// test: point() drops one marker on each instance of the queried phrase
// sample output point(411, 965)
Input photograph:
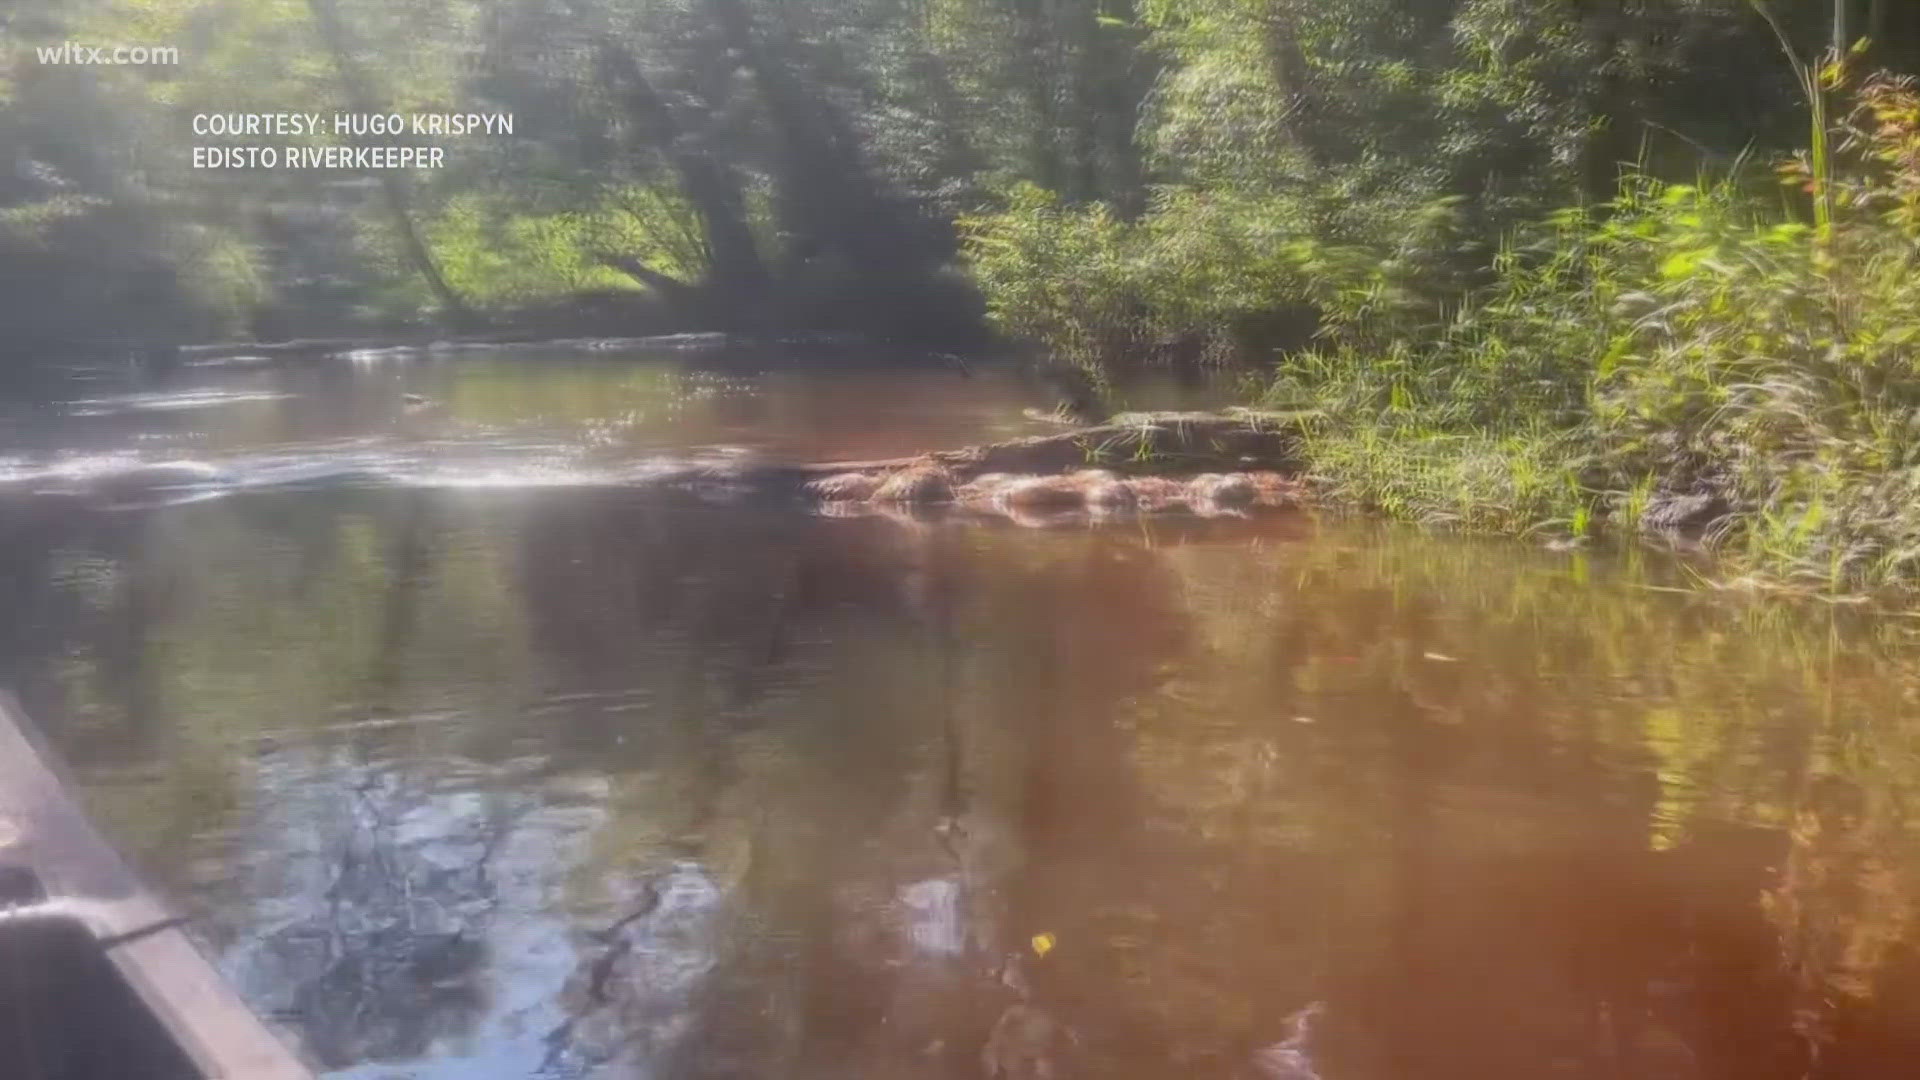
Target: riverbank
point(1729, 360)
point(1564, 487)
point(1839, 523)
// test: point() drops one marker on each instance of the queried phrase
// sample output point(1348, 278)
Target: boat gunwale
point(44, 829)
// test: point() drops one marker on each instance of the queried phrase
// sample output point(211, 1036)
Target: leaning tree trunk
point(354, 81)
point(832, 200)
point(735, 269)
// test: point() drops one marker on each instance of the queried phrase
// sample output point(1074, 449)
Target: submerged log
point(1201, 463)
point(1206, 463)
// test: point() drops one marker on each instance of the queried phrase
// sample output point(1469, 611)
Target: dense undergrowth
point(1733, 359)
point(1689, 357)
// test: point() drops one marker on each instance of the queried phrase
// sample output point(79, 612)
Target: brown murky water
point(476, 761)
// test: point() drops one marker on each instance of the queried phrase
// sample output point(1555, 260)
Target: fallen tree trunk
point(1178, 444)
point(1141, 443)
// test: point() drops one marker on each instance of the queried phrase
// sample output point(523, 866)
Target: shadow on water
point(582, 783)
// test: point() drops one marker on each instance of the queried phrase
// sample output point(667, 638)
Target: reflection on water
point(577, 782)
point(597, 414)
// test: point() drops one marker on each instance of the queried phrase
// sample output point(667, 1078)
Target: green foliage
point(502, 255)
point(89, 269)
point(1056, 274)
point(1096, 288)
point(1226, 177)
point(1356, 166)
point(1690, 339)
point(1479, 480)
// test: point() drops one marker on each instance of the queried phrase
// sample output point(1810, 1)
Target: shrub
point(1058, 275)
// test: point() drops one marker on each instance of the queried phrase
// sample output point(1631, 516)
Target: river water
point(474, 756)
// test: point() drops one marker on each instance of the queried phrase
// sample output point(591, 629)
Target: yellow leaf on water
point(1043, 944)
